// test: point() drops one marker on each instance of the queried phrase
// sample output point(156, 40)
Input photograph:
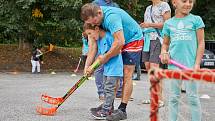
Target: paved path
point(20, 93)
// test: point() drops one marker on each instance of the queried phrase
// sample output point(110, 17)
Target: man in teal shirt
point(128, 40)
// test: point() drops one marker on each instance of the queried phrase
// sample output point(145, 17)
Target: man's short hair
point(89, 10)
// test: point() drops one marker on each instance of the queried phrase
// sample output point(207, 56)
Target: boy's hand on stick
point(89, 70)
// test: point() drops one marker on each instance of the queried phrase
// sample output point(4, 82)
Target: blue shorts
point(131, 58)
point(131, 52)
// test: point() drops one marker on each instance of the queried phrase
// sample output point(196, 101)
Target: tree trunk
point(23, 44)
point(21, 41)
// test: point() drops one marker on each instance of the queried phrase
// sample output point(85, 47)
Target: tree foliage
point(205, 8)
point(58, 21)
point(41, 21)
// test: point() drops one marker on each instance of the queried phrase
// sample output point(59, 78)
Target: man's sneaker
point(100, 115)
point(117, 115)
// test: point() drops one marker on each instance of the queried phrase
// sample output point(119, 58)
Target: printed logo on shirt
point(189, 27)
point(182, 32)
point(180, 25)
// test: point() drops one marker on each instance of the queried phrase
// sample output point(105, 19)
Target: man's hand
point(42, 62)
point(101, 59)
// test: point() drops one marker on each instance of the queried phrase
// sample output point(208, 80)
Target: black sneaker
point(117, 115)
point(100, 115)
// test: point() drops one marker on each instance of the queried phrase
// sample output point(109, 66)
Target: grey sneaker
point(99, 108)
point(96, 109)
point(100, 115)
point(117, 115)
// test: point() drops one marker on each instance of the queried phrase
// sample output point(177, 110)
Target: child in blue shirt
point(84, 47)
point(113, 68)
point(184, 43)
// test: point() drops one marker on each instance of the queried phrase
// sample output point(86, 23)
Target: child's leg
point(119, 88)
point(38, 66)
point(109, 87)
point(174, 99)
point(33, 66)
point(116, 88)
point(193, 99)
point(99, 80)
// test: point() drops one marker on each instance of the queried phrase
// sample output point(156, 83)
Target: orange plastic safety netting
point(156, 75)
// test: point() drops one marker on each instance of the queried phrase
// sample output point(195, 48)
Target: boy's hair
point(89, 26)
point(89, 10)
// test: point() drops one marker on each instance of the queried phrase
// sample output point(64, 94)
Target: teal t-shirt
point(114, 67)
point(183, 38)
point(116, 19)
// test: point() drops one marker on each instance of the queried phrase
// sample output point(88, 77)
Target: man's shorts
point(154, 51)
point(131, 52)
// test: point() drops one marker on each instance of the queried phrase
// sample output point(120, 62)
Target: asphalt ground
point(20, 93)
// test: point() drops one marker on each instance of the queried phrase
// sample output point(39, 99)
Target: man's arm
point(116, 47)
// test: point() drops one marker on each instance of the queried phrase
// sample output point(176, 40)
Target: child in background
point(113, 69)
point(154, 17)
point(84, 48)
point(184, 43)
point(36, 58)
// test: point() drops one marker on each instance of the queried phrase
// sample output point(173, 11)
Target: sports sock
point(122, 107)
